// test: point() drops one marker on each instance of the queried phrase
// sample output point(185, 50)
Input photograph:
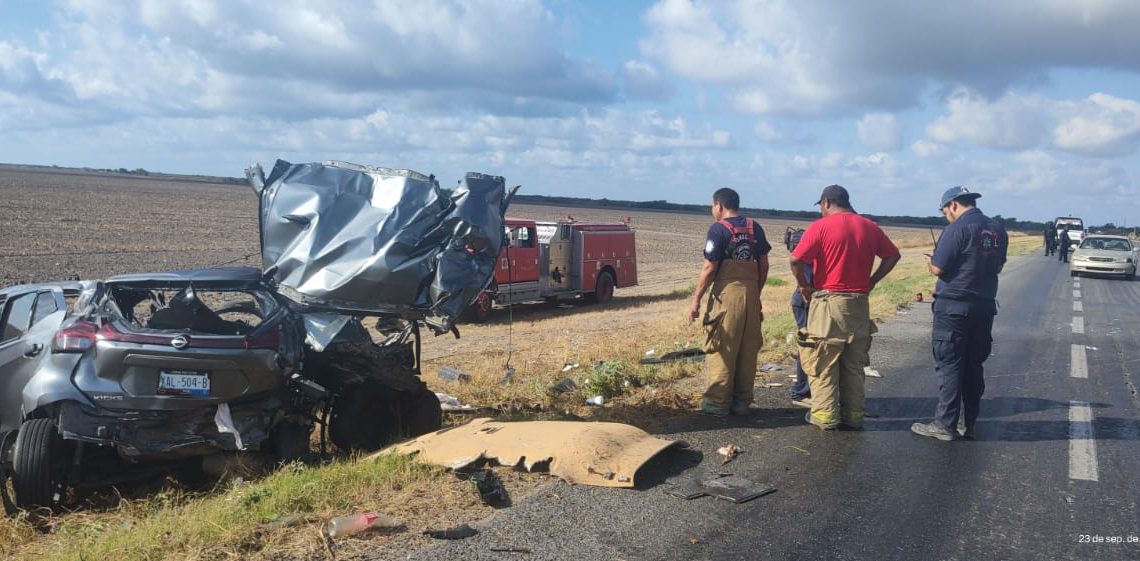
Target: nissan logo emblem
point(180, 342)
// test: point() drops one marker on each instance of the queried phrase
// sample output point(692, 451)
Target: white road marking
point(1076, 293)
point(1078, 325)
point(1078, 362)
point(1077, 307)
point(1076, 284)
point(1082, 442)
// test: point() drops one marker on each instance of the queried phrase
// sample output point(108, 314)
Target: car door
point(30, 319)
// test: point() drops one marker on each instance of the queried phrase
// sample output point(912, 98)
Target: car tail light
point(110, 333)
point(75, 338)
point(270, 339)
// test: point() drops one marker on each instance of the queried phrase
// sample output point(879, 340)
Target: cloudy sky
point(1035, 104)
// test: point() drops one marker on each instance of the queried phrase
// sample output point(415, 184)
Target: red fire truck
point(560, 260)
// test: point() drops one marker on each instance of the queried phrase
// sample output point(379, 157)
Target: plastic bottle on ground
point(341, 526)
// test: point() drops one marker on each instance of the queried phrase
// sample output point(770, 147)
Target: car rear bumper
point(168, 435)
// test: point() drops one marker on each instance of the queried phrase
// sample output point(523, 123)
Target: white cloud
point(1012, 122)
point(927, 149)
point(641, 80)
point(880, 131)
point(1101, 125)
point(819, 57)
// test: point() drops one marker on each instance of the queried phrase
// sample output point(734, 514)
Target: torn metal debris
point(600, 454)
point(333, 233)
point(675, 356)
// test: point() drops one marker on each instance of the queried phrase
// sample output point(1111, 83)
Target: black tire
point(421, 413)
point(289, 442)
point(39, 465)
point(364, 417)
point(604, 288)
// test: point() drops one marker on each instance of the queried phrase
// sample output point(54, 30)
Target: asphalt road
point(1042, 481)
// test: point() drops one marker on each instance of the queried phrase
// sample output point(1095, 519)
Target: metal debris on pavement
point(736, 489)
point(596, 400)
point(773, 385)
point(568, 366)
point(460, 532)
point(868, 371)
point(769, 367)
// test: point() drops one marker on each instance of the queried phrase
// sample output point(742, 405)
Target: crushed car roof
point(351, 239)
point(222, 275)
point(66, 286)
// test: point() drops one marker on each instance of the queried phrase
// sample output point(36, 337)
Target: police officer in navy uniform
point(1050, 239)
point(734, 274)
point(967, 260)
point(801, 391)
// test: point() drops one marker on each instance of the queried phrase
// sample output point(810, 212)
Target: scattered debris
point(460, 532)
point(568, 367)
point(565, 447)
point(651, 352)
point(452, 375)
point(509, 550)
point(790, 338)
point(565, 307)
point(451, 403)
point(1091, 348)
point(791, 376)
point(342, 526)
point(675, 356)
point(490, 487)
point(736, 489)
point(694, 541)
point(507, 376)
point(800, 450)
point(771, 367)
point(565, 385)
point(868, 371)
point(596, 400)
point(720, 485)
point(730, 452)
point(773, 385)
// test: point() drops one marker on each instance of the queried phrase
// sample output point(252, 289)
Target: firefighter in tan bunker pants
point(734, 273)
point(834, 348)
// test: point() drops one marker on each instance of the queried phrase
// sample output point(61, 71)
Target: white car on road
point(1105, 255)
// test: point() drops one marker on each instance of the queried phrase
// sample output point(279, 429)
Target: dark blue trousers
point(961, 342)
point(800, 389)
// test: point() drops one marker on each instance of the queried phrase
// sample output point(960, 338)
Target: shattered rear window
point(185, 309)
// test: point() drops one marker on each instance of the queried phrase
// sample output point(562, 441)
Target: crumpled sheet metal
point(338, 237)
point(599, 454)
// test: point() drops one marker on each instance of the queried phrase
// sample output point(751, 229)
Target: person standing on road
point(1050, 239)
point(801, 391)
point(1063, 244)
point(734, 273)
point(835, 345)
point(966, 261)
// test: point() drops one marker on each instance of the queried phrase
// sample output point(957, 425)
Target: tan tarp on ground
point(601, 454)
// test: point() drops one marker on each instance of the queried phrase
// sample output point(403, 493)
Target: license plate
point(184, 382)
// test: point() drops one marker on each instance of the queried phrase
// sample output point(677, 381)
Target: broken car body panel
point(343, 238)
point(599, 454)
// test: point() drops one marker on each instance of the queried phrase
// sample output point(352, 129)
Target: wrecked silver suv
point(145, 371)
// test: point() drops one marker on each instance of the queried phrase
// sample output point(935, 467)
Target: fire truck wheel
point(604, 289)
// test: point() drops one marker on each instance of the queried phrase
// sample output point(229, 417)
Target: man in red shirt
point(834, 347)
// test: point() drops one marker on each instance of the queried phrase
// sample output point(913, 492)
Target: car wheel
point(364, 417)
point(604, 289)
point(39, 465)
point(289, 442)
point(420, 412)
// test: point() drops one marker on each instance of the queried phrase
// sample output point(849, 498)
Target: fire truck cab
point(560, 260)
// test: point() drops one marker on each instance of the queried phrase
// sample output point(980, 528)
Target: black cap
point(835, 194)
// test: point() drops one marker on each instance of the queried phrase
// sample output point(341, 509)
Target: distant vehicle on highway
point(1076, 229)
point(1105, 255)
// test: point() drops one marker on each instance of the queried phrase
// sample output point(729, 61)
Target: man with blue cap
point(966, 260)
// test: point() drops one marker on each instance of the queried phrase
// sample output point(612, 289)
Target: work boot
point(824, 426)
point(710, 408)
point(742, 409)
point(932, 430)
